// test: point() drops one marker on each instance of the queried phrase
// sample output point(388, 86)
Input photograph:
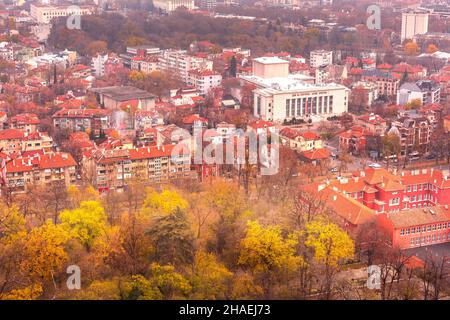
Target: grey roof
point(377, 73)
point(123, 93)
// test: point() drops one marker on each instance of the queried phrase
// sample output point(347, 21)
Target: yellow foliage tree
point(29, 293)
point(209, 277)
point(264, 249)
point(164, 202)
point(44, 251)
point(85, 223)
point(11, 221)
point(330, 243)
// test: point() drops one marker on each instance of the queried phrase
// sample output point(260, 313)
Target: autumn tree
point(267, 253)
point(411, 48)
point(172, 238)
point(85, 223)
point(332, 246)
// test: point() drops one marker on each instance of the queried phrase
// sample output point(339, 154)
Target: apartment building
point(28, 122)
point(45, 13)
point(82, 119)
point(145, 64)
point(112, 169)
point(179, 63)
point(413, 23)
point(320, 58)
point(98, 64)
point(40, 169)
point(424, 91)
point(204, 80)
point(414, 133)
point(387, 84)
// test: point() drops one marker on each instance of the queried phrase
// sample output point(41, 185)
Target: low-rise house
point(372, 122)
point(300, 141)
point(27, 122)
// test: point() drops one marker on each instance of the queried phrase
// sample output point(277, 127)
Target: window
point(407, 231)
point(413, 230)
point(415, 188)
point(429, 228)
point(394, 202)
point(408, 189)
point(402, 232)
point(434, 227)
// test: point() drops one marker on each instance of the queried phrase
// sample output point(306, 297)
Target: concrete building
point(204, 80)
point(413, 22)
point(40, 169)
point(424, 91)
point(179, 63)
point(112, 169)
point(171, 5)
point(43, 13)
point(114, 97)
point(281, 96)
point(98, 64)
point(320, 58)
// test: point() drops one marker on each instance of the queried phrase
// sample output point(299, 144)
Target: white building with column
point(281, 96)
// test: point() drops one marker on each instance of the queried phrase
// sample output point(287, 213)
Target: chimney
point(334, 197)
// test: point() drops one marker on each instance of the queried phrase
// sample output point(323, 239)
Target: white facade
point(413, 23)
point(204, 81)
point(42, 13)
point(172, 5)
point(180, 63)
point(98, 65)
point(279, 99)
point(424, 91)
point(320, 58)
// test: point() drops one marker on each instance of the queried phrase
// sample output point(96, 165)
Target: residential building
point(300, 141)
point(413, 22)
point(424, 91)
point(320, 58)
point(372, 122)
point(204, 80)
point(387, 84)
point(414, 133)
point(179, 63)
point(28, 122)
point(82, 119)
point(40, 169)
point(112, 169)
point(98, 64)
point(145, 64)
